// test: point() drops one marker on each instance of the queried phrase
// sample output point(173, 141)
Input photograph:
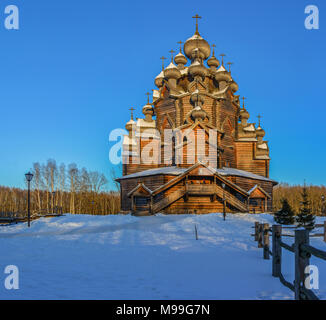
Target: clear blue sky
point(70, 74)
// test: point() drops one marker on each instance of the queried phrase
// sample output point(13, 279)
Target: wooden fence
point(15, 217)
point(300, 248)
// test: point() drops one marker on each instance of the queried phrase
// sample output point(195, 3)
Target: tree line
point(305, 218)
point(79, 191)
point(66, 189)
point(316, 196)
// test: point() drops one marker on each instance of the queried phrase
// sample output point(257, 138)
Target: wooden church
point(200, 154)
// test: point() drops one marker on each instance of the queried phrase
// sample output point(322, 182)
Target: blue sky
point(74, 68)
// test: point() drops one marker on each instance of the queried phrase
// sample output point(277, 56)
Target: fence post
point(301, 261)
point(325, 231)
point(260, 236)
point(196, 232)
point(256, 230)
point(277, 250)
point(266, 241)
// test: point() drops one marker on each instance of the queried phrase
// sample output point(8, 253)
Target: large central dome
point(196, 41)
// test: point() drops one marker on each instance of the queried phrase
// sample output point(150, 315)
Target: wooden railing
point(156, 207)
point(201, 188)
point(300, 248)
point(15, 217)
point(233, 200)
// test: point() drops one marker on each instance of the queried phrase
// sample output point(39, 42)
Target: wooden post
point(277, 250)
point(325, 231)
point(266, 241)
point(151, 206)
point(260, 236)
point(266, 206)
point(196, 232)
point(301, 261)
point(256, 230)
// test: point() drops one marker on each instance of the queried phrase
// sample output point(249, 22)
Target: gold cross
point(180, 42)
point(172, 51)
point(196, 17)
point(213, 46)
point(132, 113)
point(230, 63)
point(243, 99)
point(148, 94)
point(163, 58)
point(259, 118)
point(222, 55)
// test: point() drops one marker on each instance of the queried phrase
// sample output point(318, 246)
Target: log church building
point(200, 154)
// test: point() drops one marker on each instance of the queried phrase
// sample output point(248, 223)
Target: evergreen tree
point(285, 215)
point(305, 218)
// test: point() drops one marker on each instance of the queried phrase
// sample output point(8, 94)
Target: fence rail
point(15, 217)
point(301, 249)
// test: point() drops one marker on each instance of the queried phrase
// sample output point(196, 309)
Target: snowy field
point(157, 257)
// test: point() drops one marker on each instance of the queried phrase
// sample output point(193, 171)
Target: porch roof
point(176, 171)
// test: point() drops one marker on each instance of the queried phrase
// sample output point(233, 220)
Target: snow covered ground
point(157, 257)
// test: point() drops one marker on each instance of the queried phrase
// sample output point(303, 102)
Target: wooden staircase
point(166, 201)
point(232, 200)
point(194, 189)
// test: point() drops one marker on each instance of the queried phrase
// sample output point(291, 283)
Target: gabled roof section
point(253, 190)
point(204, 125)
point(140, 187)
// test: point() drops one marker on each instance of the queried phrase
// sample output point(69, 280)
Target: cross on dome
point(180, 42)
point(196, 17)
point(172, 51)
point(243, 99)
point(148, 94)
point(132, 113)
point(222, 55)
point(213, 46)
point(163, 58)
point(230, 63)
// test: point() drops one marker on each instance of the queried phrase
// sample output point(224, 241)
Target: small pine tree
point(305, 218)
point(285, 215)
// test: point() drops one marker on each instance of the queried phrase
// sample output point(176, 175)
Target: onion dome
point(148, 111)
point(222, 74)
point(260, 133)
point(244, 114)
point(196, 41)
point(172, 72)
point(213, 62)
point(130, 124)
point(159, 80)
point(197, 69)
point(234, 86)
point(198, 114)
point(180, 59)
